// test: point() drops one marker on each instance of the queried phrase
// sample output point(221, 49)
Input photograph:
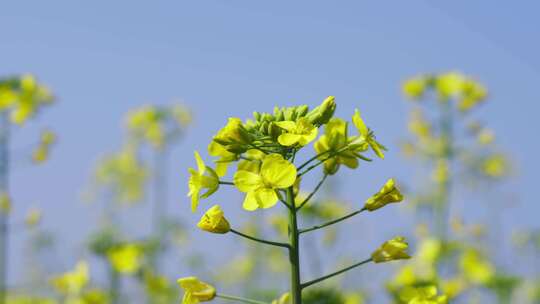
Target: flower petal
point(278, 172)
point(200, 163)
point(247, 181)
point(287, 125)
point(266, 197)
point(289, 139)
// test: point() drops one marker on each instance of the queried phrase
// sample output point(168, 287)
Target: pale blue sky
point(225, 58)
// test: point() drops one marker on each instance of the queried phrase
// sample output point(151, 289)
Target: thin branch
point(239, 299)
point(285, 245)
point(306, 200)
point(226, 183)
point(332, 222)
point(335, 273)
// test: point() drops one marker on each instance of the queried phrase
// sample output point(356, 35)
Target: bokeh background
point(230, 58)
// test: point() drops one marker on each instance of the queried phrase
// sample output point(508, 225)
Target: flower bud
point(389, 193)
point(394, 249)
point(214, 221)
point(322, 114)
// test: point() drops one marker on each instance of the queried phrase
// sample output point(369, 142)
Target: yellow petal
point(289, 139)
point(287, 125)
point(247, 181)
point(278, 172)
point(200, 163)
point(266, 197)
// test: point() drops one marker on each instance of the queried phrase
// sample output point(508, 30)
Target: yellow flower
point(450, 84)
point(225, 157)
point(234, 136)
point(33, 217)
point(333, 142)
point(204, 178)
point(253, 161)
point(414, 88)
point(394, 249)
point(300, 132)
point(284, 299)
point(126, 259)
point(72, 282)
point(214, 221)
point(495, 165)
point(196, 291)
point(422, 295)
point(366, 135)
point(124, 174)
point(476, 269)
point(389, 193)
point(276, 173)
point(146, 123)
point(5, 203)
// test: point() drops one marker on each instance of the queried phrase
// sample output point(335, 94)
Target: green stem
point(114, 285)
point(160, 202)
point(335, 273)
point(225, 183)
point(4, 214)
point(444, 186)
point(294, 250)
point(285, 245)
point(239, 299)
point(313, 192)
point(332, 222)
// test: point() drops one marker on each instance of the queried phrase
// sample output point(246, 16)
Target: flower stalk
point(294, 250)
point(4, 214)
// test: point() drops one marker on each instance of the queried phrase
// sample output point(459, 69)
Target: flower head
point(299, 133)
point(422, 295)
point(275, 173)
point(394, 249)
point(365, 135)
point(126, 258)
point(33, 217)
point(389, 193)
point(214, 221)
point(334, 142)
point(72, 282)
point(234, 136)
point(196, 291)
point(202, 178)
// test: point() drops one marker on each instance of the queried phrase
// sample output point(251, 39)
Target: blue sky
point(225, 58)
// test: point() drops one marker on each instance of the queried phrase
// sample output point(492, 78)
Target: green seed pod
point(322, 114)
point(288, 114)
point(280, 115)
point(257, 116)
point(302, 110)
point(263, 127)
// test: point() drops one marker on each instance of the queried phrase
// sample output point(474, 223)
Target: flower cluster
point(23, 97)
point(451, 85)
point(265, 150)
point(158, 125)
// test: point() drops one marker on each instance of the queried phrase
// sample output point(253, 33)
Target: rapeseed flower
point(300, 132)
point(202, 178)
point(275, 173)
point(388, 194)
point(394, 249)
point(332, 147)
point(72, 282)
point(365, 135)
point(196, 291)
point(214, 221)
point(126, 259)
